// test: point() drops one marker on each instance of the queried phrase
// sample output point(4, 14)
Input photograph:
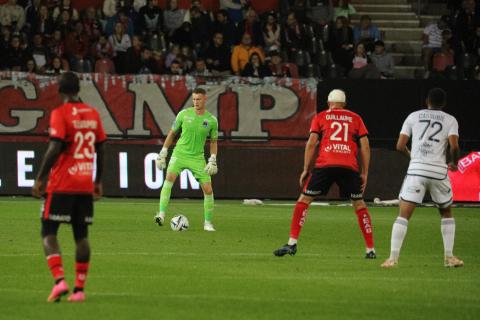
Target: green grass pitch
point(142, 271)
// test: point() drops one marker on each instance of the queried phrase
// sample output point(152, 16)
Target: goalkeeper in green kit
point(196, 124)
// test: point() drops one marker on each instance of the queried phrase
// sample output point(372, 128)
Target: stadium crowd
point(303, 38)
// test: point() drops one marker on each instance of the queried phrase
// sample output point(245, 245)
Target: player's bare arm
point(402, 144)
point(98, 188)
point(309, 156)
point(454, 152)
point(53, 152)
point(365, 160)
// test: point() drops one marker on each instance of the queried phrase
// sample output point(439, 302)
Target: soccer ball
point(179, 223)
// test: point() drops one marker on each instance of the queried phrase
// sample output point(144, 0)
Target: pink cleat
point(58, 290)
point(78, 296)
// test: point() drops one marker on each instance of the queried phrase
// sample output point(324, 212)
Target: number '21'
point(433, 125)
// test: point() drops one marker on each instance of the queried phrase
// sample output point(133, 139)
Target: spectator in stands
point(320, 13)
point(218, 56)
point(104, 65)
point(175, 68)
point(4, 46)
point(201, 68)
point(183, 35)
point(383, 60)
point(120, 42)
point(124, 19)
point(187, 57)
point(64, 23)
point(443, 63)
point(42, 22)
point(65, 5)
point(102, 49)
point(30, 66)
point(271, 33)
point(228, 29)
point(432, 42)
point(12, 15)
point(39, 52)
point(341, 45)
point(277, 67)
point(294, 36)
point(91, 25)
point(344, 9)
point(366, 33)
point(77, 47)
point(110, 8)
point(55, 67)
point(252, 26)
point(16, 55)
point(465, 23)
point(31, 12)
point(134, 55)
point(363, 68)
point(201, 28)
point(172, 17)
point(150, 20)
point(241, 54)
point(147, 63)
point(300, 8)
point(172, 55)
point(256, 68)
point(234, 9)
point(56, 45)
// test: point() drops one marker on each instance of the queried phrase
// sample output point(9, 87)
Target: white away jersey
point(429, 131)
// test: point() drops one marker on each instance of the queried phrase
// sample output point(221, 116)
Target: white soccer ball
point(179, 223)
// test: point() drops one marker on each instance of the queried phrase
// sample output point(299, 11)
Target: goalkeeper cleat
point(290, 249)
point(453, 262)
point(371, 255)
point(60, 289)
point(208, 226)
point(389, 263)
point(159, 218)
point(78, 296)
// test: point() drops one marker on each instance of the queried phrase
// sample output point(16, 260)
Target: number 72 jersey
point(79, 127)
point(429, 131)
point(339, 131)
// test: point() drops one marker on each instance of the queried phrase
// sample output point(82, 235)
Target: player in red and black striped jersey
point(76, 136)
point(339, 132)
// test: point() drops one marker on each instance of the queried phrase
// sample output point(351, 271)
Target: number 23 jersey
point(429, 131)
point(79, 127)
point(339, 131)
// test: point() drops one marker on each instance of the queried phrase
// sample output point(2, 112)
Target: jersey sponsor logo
point(205, 123)
point(425, 149)
point(81, 168)
point(338, 148)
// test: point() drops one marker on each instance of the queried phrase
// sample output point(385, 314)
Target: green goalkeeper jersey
point(195, 131)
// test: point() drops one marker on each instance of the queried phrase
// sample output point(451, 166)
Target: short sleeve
point(177, 124)
point(214, 130)
point(101, 136)
point(316, 127)
point(362, 129)
point(407, 127)
point(453, 130)
point(58, 129)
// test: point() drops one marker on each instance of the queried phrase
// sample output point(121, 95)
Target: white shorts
point(414, 188)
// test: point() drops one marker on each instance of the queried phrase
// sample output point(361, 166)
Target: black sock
point(75, 290)
point(57, 281)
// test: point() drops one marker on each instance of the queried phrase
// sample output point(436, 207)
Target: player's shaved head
point(199, 91)
point(68, 84)
point(437, 98)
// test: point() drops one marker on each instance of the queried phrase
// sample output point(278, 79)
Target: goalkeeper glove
point(211, 167)
point(161, 160)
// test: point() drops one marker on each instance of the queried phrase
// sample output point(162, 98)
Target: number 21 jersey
point(339, 131)
point(79, 127)
point(429, 131)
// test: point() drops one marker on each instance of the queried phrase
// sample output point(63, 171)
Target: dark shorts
point(321, 179)
point(76, 209)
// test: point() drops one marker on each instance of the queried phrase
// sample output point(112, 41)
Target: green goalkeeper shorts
point(196, 166)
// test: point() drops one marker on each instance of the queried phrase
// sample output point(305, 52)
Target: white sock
point(448, 234)
point(399, 231)
point(292, 241)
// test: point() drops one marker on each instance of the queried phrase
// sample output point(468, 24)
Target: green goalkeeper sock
point(165, 195)
point(208, 206)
